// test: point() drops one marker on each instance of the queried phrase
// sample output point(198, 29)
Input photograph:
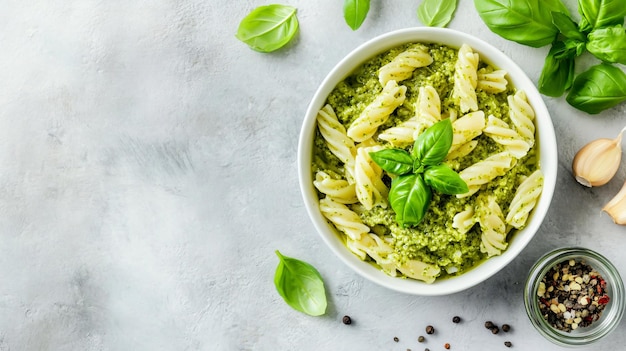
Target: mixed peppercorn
point(572, 295)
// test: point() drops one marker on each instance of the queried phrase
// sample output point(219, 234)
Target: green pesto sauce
point(433, 241)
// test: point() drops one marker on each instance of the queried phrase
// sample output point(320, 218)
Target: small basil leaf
point(566, 26)
point(445, 180)
point(394, 161)
point(597, 89)
point(409, 197)
point(527, 22)
point(608, 44)
point(557, 74)
point(300, 285)
point(268, 28)
point(436, 13)
point(432, 146)
point(355, 12)
point(601, 13)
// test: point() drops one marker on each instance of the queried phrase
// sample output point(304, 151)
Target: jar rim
point(611, 315)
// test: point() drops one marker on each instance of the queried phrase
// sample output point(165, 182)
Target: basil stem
point(432, 146)
point(445, 180)
point(394, 161)
point(436, 13)
point(300, 285)
point(268, 28)
point(409, 197)
point(355, 12)
point(599, 88)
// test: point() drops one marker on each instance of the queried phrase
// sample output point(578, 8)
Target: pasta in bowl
point(389, 95)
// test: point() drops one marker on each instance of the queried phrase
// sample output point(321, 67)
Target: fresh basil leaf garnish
point(355, 12)
point(436, 13)
point(268, 28)
point(432, 146)
point(599, 88)
point(601, 13)
point(445, 180)
point(566, 26)
point(557, 74)
point(409, 197)
point(608, 44)
point(300, 285)
point(528, 22)
point(394, 161)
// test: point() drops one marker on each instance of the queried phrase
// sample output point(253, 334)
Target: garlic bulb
point(616, 208)
point(597, 162)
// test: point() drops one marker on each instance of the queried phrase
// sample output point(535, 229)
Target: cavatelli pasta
point(403, 65)
point(525, 199)
point(377, 112)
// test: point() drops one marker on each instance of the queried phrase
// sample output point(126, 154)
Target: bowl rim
point(611, 316)
point(546, 142)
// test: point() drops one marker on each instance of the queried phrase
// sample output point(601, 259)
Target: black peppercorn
point(508, 344)
point(495, 330)
point(421, 338)
point(456, 319)
point(506, 327)
point(488, 324)
point(430, 329)
point(347, 320)
point(395, 338)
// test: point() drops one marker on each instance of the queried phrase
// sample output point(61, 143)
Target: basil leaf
point(557, 74)
point(527, 22)
point(597, 89)
point(355, 12)
point(409, 197)
point(432, 146)
point(268, 28)
point(601, 13)
point(436, 13)
point(445, 180)
point(566, 26)
point(394, 161)
point(300, 285)
point(608, 44)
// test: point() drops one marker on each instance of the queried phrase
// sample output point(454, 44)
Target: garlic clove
point(616, 208)
point(597, 162)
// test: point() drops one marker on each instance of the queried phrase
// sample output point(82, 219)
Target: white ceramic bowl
point(546, 143)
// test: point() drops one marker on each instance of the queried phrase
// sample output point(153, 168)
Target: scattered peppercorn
point(427, 349)
point(495, 330)
point(508, 344)
point(430, 329)
point(572, 295)
point(456, 319)
point(421, 338)
point(447, 346)
point(347, 320)
point(506, 328)
point(488, 324)
point(395, 338)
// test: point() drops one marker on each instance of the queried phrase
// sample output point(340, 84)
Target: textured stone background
point(148, 173)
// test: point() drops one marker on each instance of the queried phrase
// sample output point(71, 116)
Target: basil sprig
point(268, 28)
point(600, 31)
point(419, 172)
point(436, 13)
point(300, 285)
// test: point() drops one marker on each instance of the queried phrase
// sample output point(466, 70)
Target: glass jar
point(610, 316)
